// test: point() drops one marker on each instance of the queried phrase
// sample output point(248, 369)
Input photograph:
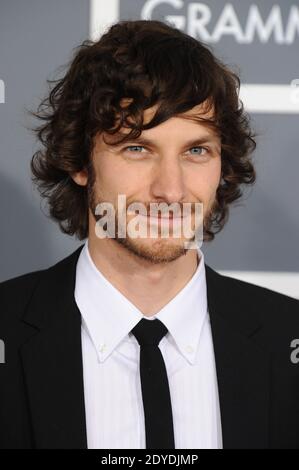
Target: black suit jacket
point(41, 382)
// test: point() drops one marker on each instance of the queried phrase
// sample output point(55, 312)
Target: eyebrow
point(204, 139)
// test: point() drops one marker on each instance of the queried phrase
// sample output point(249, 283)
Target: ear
point(80, 177)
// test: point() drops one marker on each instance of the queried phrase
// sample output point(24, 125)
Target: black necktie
point(154, 385)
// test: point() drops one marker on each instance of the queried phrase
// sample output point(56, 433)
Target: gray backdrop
point(37, 36)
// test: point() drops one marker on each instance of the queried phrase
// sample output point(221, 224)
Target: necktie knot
point(149, 332)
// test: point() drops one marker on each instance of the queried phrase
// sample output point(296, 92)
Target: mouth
point(163, 218)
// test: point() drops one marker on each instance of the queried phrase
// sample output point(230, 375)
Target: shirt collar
point(108, 316)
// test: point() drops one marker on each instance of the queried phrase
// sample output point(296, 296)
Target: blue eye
point(198, 147)
point(133, 147)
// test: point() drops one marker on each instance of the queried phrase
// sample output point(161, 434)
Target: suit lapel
point(52, 360)
point(242, 368)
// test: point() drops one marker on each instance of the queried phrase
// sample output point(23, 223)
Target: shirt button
point(189, 349)
point(102, 348)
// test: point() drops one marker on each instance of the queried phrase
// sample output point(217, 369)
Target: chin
point(155, 251)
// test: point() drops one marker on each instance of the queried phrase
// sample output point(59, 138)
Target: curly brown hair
point(153, 63)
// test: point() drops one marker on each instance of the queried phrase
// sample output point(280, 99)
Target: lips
point(162, 217)
point(165, 217)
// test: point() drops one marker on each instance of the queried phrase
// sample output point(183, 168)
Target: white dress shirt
point(112, 387)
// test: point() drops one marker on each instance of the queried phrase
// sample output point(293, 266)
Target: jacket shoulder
point(23, 281)
point(240, 288)
point(276, 313)
point(15, 293)
point(263, 292)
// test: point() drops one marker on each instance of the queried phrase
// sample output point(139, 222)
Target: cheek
point(205, 180)
point(113, 177)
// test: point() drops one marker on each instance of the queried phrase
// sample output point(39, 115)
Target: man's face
point(165, 164)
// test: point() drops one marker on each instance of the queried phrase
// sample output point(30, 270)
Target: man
point(133, 341)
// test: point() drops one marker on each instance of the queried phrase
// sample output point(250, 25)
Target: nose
point(168, 182)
